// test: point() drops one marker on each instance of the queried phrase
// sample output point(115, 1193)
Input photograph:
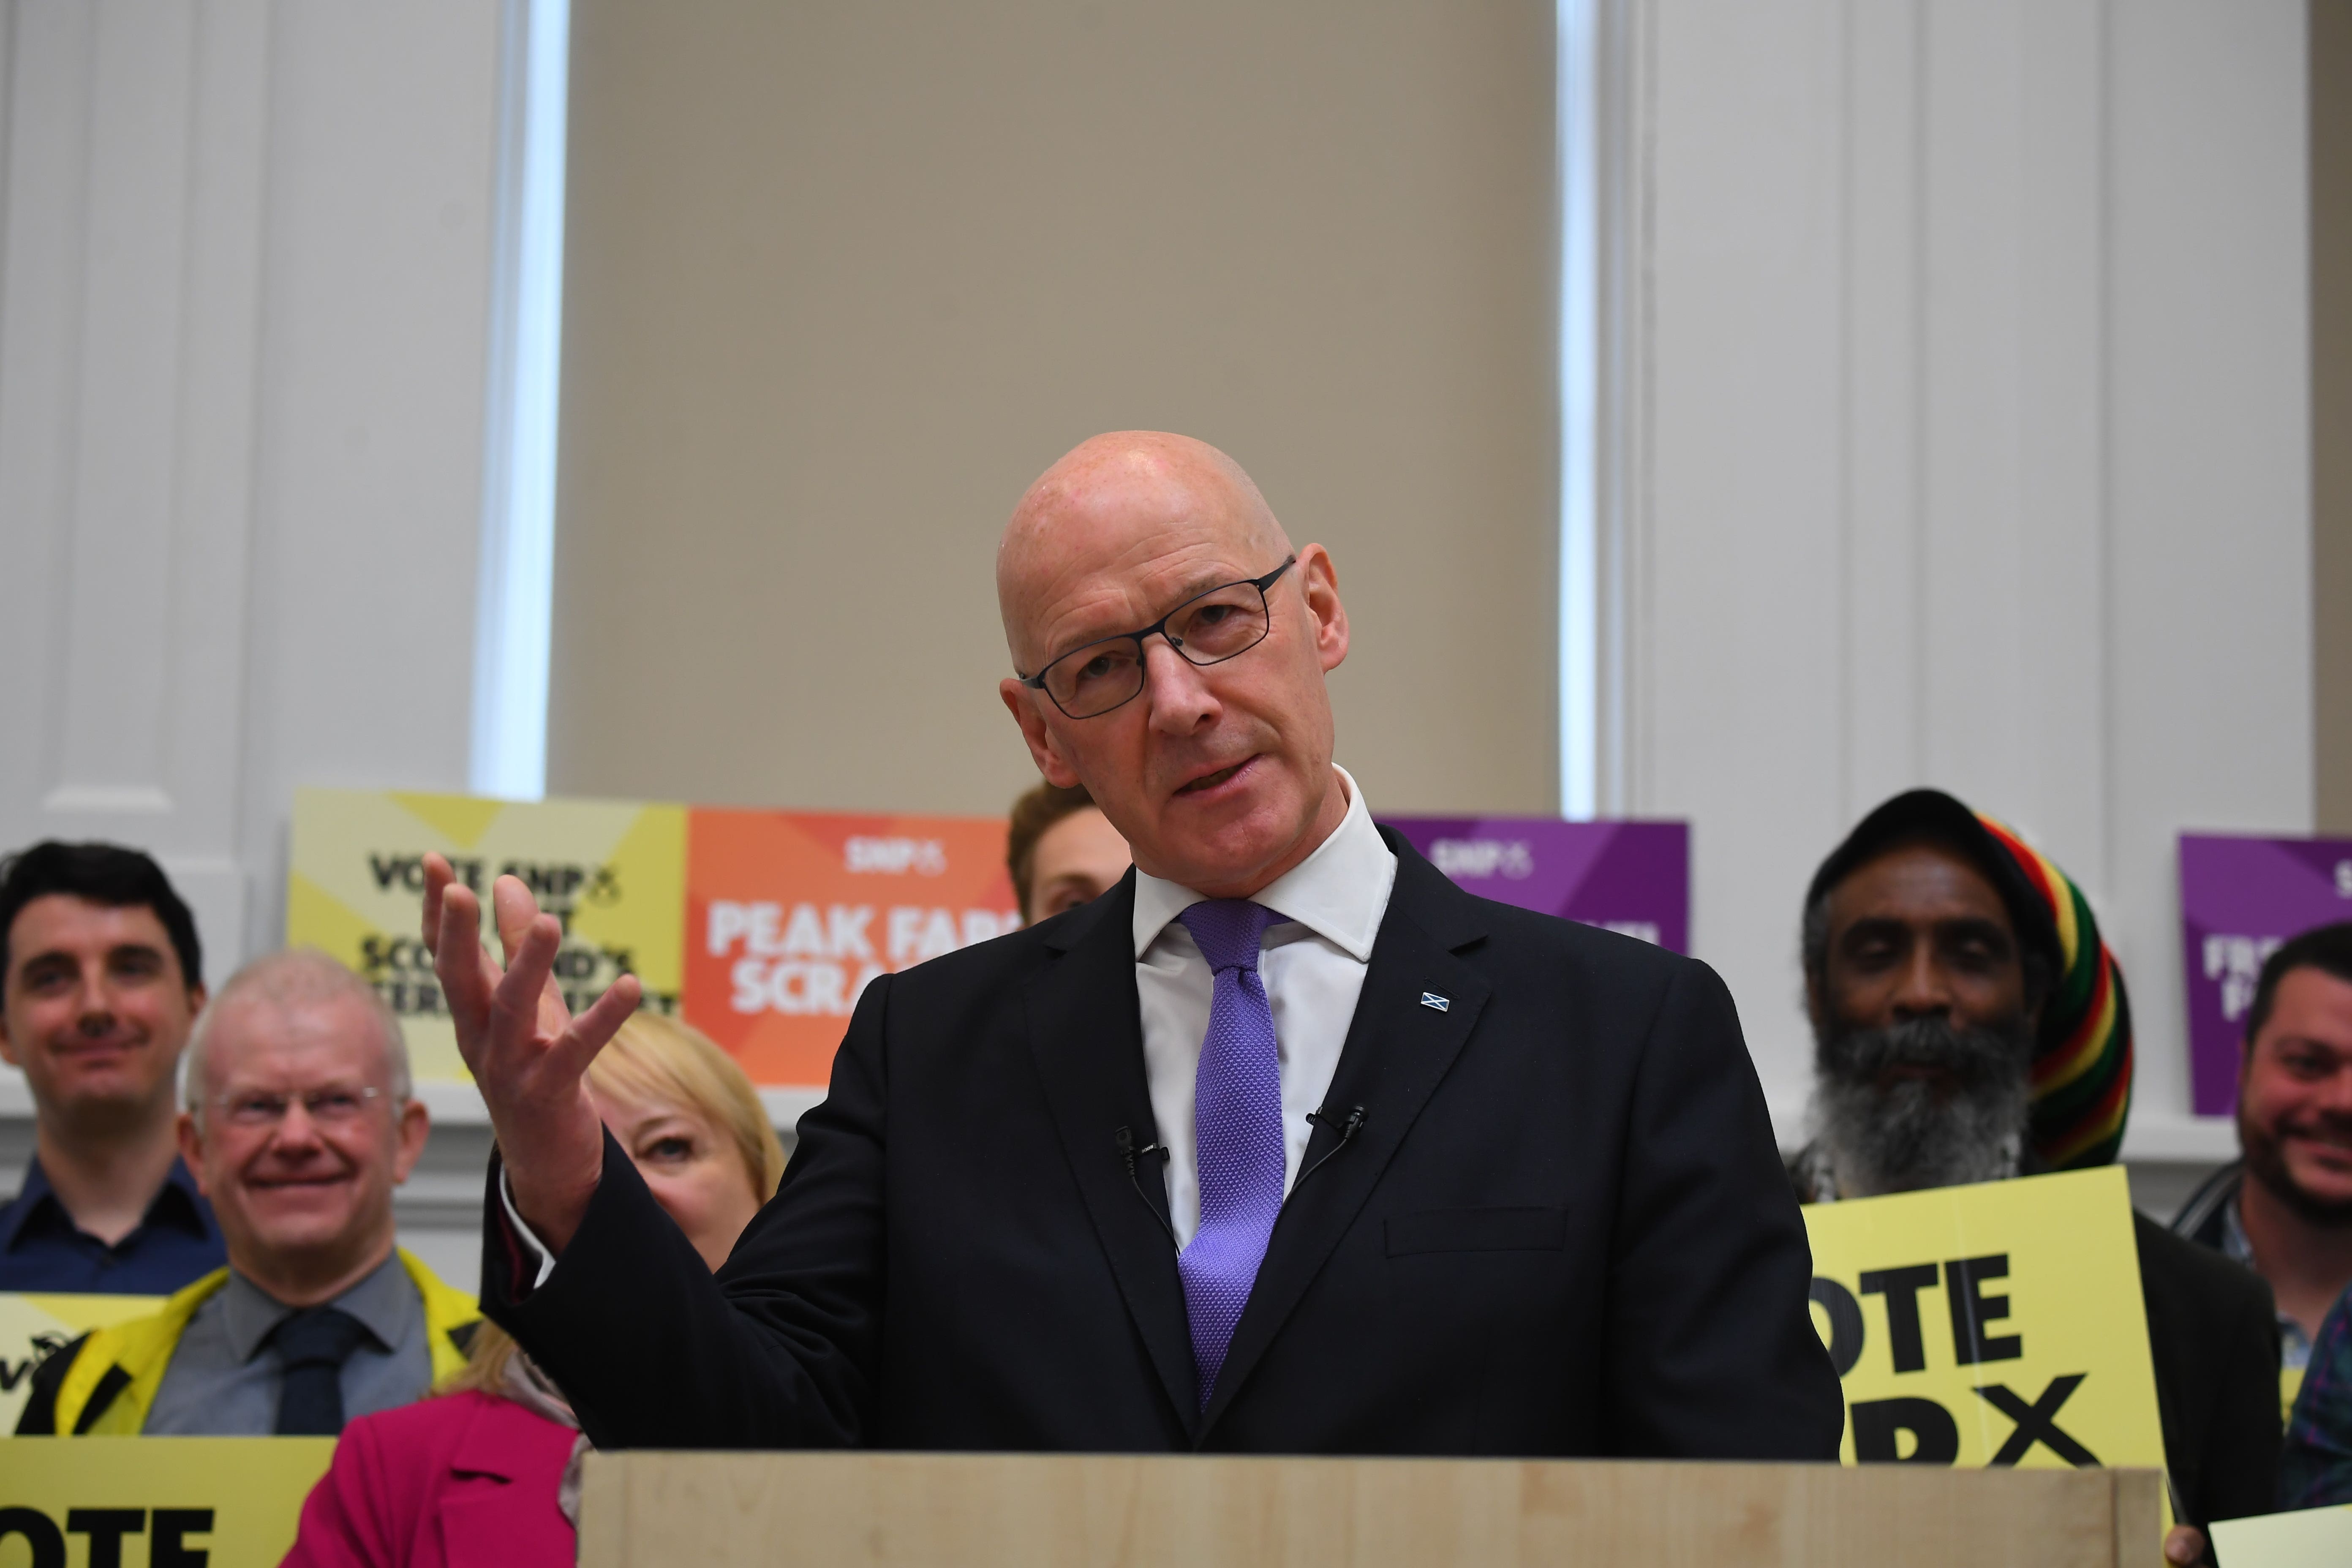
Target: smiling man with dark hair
point(101, 978)
point(2285, 1210)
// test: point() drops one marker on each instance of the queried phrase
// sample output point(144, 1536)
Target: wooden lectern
point(899, 1510)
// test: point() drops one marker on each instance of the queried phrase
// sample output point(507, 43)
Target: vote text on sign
point(1995, 1324)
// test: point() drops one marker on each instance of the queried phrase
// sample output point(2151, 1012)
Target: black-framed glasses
point(335, 1106)
point(1207, 628)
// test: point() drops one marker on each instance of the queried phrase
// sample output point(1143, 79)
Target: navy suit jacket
point(1561, 1226)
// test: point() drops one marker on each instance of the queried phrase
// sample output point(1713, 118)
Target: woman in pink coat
point(489, 1472)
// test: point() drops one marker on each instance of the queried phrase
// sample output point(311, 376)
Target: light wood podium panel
point(901, 1511)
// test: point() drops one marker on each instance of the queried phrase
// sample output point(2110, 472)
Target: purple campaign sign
point(1631, 876)
point(2240, 898)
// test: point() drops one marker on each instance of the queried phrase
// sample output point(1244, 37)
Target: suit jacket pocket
point(1478, 1230)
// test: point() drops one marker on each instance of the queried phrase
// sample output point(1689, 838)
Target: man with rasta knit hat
point(1971, 1025)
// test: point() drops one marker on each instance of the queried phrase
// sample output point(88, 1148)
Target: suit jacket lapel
point(1086, 1032)
point(1398, 1049)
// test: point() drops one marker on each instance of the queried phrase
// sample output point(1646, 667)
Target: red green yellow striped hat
point(2082, 1059)
point(2083, 1067)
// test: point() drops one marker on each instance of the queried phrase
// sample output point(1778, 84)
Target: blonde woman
point(496, 1460)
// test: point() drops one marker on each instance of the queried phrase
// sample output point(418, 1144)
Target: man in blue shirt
point(2316, 1466)
point(100, 979)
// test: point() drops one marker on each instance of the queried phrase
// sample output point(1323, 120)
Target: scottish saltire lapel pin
point(1433, 1000)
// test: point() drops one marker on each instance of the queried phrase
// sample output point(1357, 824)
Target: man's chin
point(293, 1251)
point(1226, 840)
point(2322, 1192)
point(1938, 1084)
point(99, 1099)
point(300, 1217)
point(1915, 1133)
point(2318, 1194)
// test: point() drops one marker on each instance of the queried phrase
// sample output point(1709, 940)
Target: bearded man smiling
point(1971, 1025)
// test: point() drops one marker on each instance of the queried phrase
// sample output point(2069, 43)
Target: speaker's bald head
point(1215, 766)
point(1131, 505)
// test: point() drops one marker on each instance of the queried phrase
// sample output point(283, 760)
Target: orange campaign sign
point(789, 915)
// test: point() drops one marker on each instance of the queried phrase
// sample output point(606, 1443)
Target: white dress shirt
point(1313, 969)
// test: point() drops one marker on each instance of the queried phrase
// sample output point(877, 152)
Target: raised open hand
point(527, 1052)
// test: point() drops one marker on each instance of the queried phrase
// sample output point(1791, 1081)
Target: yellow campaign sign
point(613, 871)
point(1996, 1324)
point(31, 1327)
point(166, 1502)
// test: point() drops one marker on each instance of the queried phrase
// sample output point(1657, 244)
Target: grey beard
point(1918, 1134)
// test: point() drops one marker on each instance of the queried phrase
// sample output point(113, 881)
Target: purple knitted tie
point(1236, 1131)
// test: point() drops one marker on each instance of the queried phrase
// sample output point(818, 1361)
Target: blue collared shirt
point(2315, 1465)
point(41, 1248)
point(2295, 1345)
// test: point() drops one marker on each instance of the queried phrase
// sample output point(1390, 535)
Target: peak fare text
point(805, 959)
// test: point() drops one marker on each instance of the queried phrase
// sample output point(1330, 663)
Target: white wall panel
point(2210, 432)
point(243, 308)
point(1736, 646)
point(245, 267)
point(373, 373)
point(1973, 452)
point(127, 344)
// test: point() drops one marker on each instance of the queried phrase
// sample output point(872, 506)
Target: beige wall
point(841, 278)
point(2331, 408)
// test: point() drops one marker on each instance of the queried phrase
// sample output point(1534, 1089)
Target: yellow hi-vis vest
point(127, 1360)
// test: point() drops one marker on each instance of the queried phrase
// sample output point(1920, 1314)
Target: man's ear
point(1033, 730)
point(1813, 1007)
point(1319, 582)
point(7, 1046)
point(415, 1125)
point(2037, 998)
point(192, 1149)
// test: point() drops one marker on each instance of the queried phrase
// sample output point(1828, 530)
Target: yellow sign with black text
point(164, 1502)
point(34, 1327)
point(1987, 1325)
point(760, 928)
point(614, 873)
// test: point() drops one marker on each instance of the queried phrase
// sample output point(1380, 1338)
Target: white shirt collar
point(1340, 893)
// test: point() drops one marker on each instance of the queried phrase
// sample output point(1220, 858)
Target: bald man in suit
point(1283, 1145)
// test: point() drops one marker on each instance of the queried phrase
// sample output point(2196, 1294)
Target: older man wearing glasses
point(299, 1124)
point(1283, 1145)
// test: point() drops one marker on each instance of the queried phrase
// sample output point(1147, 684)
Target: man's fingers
point(515, 911)
point(518, 914)
point(437, 877)
point(578, 1046)
point(530, 960)
point(465, 971)
point(505, 1020)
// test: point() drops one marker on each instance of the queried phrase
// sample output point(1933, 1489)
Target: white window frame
point(1577, 98)
point(1599, 403)
point(514, 615)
